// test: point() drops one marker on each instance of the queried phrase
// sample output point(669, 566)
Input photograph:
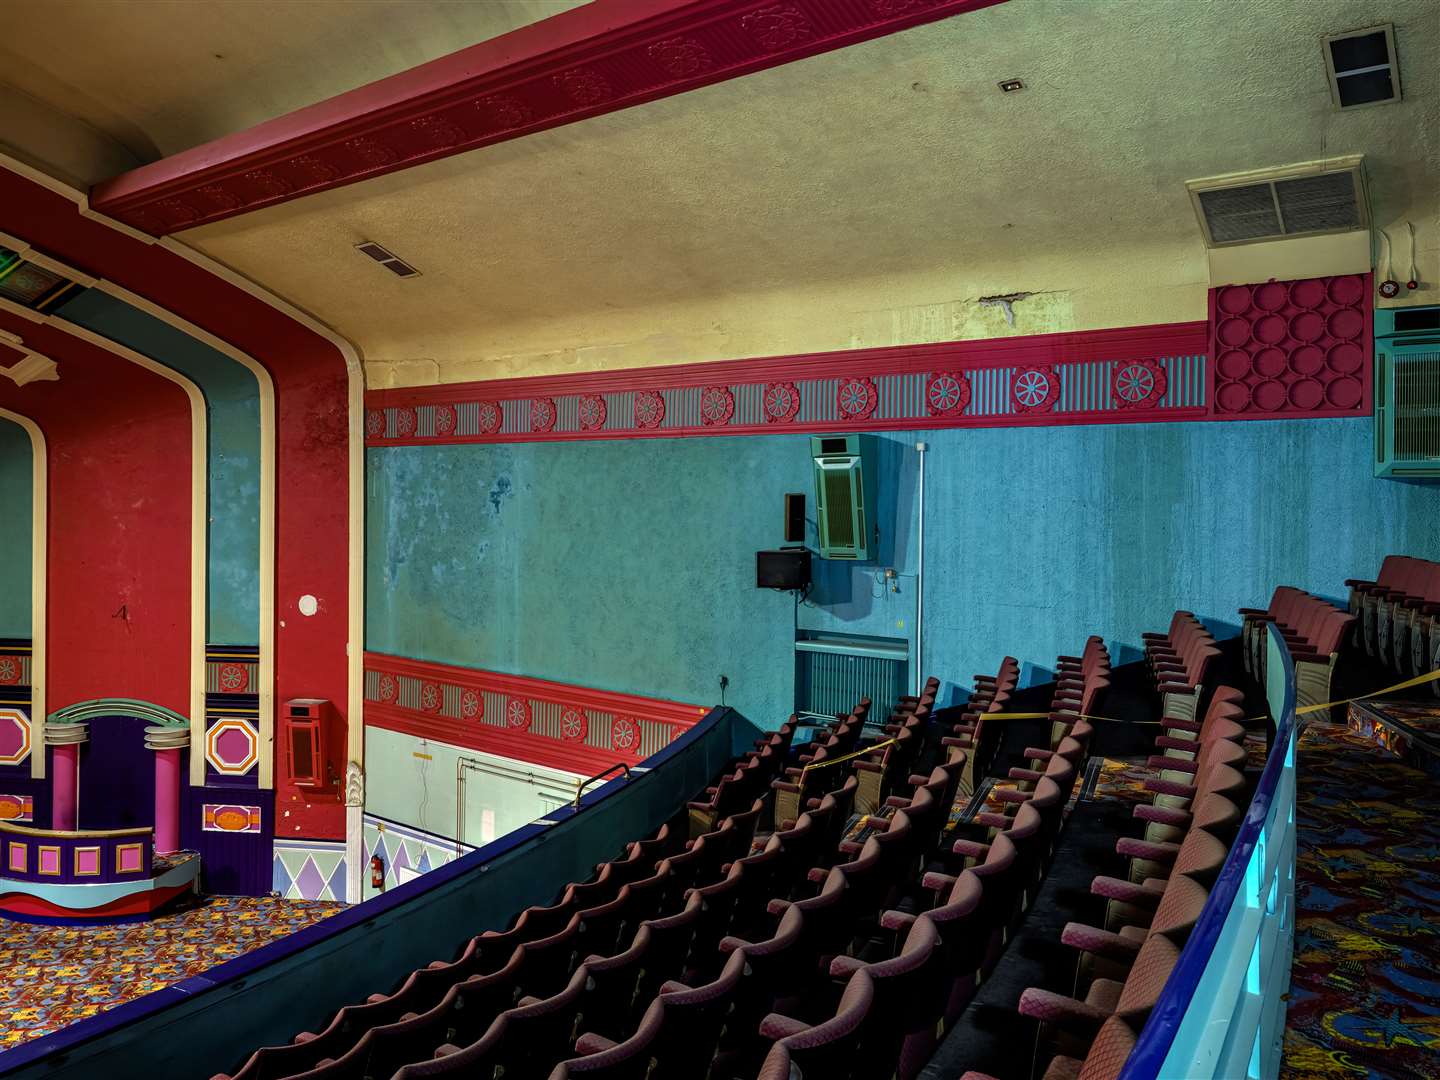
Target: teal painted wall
point(16, 522)
point(629, 565)
point(232, 398)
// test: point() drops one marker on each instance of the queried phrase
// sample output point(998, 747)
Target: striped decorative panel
point(14, 663)
point(1152, 373)
point(232, 685)
point(568, 727)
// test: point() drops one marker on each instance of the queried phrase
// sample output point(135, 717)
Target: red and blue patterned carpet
point(1365, 986)
point(51, 976)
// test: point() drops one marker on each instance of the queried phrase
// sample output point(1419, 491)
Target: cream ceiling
point(161, 76)
point(864, 197)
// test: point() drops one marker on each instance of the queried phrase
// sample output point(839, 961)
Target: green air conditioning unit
point(845, 496)
point(1407, 392)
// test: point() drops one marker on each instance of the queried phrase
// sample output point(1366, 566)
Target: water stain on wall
point(500, 491)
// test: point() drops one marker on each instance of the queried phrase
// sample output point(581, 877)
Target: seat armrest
point(1065, 1012)
point(1163, 815)
point(937, 881)
point(895, 920)
point(1135, 848)
point(591, 1043)
point(1099, 942)
point(1127, 892)
point(776, 1026)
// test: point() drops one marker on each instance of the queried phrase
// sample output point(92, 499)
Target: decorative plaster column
point(65, 783)
point(167, 741)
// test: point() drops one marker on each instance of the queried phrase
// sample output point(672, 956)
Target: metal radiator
point(832, 674)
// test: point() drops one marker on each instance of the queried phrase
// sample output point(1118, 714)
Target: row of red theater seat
point(1314, 630)
point(447, 1000)
point(1398, 614)
point(1182, 661)
point(1080, 685)
point(1151, 914)
point(678, 910)
point(950, 932)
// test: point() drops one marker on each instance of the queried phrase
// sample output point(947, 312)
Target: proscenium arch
point(82, 712)
point(39, 537)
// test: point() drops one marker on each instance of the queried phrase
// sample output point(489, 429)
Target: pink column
point(167, 801)
point(64, 786)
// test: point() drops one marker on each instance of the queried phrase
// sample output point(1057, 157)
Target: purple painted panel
point(117, 775)
point(231, 863)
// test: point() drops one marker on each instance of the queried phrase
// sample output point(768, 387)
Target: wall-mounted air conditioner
point(845, 496)
point(1407, 392)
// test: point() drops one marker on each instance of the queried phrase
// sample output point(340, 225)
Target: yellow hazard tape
point(1304, 710)
point(847, 757)
point(1417, 681)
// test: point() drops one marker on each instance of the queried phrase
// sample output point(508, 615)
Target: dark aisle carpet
point(1365, 985)
point(991, 1036)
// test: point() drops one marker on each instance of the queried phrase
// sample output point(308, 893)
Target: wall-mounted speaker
point(795, 517)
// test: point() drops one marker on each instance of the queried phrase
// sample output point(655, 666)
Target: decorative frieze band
point(1104, 376)
point(567, 727)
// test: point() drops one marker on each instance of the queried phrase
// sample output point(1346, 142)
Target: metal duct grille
point(1243, 213)
point(1417, 410)
point(1324, 203)
point(1272, 204)
point(831, 679)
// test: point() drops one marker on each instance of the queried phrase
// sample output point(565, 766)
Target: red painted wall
point(311, 401)
point(119, 523)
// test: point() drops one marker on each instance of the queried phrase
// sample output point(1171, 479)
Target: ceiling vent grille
point(1275, 204)
point(1361, 67)
point(388, 259)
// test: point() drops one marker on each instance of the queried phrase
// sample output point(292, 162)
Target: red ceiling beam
point(599, 58)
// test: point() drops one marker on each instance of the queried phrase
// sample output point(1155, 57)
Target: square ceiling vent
point(1361, 67)
point(1276, 204)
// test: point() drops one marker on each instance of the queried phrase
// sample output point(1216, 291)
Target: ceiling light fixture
point(1009, 86)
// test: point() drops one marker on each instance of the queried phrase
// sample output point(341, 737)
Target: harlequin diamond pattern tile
point(312, 872)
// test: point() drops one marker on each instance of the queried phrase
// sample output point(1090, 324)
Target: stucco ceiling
point(160, 76)
point(866, 196)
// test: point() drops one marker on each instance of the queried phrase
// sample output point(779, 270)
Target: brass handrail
point(580, 785)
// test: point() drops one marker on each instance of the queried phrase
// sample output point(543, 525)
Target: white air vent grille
point(1298, 200)
point(388, 259)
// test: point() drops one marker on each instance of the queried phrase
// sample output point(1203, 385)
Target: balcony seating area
point(717, 948)
point(822, 911)
point(1398, 615)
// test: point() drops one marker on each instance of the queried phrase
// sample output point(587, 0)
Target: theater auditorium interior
point(720, 539)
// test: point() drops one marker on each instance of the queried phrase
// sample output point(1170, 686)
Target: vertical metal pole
point(919, 668)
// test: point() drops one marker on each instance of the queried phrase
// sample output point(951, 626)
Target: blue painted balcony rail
point(211, 1022)
point(1221, 1015)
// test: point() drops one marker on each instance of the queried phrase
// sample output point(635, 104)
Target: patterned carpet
point(1365, 992)
point(51, 976)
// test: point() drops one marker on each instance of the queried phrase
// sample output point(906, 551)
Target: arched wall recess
point(39, 534)
point(199, 537)
point(299, 353)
